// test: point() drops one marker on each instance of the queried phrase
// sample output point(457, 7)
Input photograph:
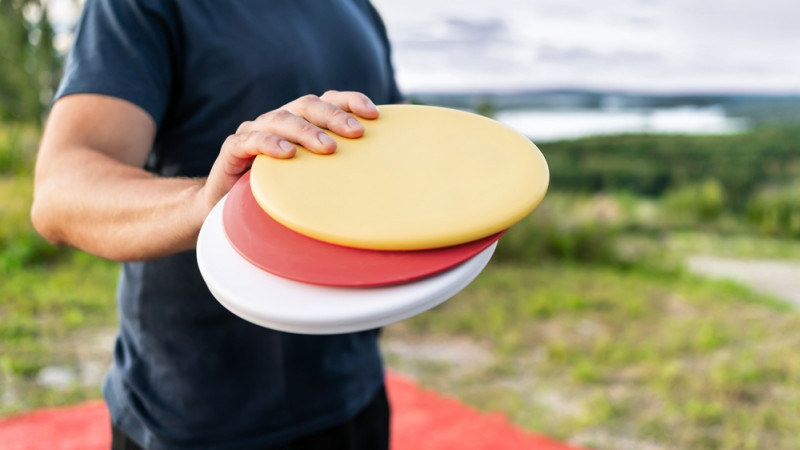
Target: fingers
point(245, 145)
point(275, 134)
point(302, 121)
point(295, 128)
point(326, 115)
point(236, 157)
point(354, 102)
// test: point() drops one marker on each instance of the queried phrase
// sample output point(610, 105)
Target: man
point(162, 107)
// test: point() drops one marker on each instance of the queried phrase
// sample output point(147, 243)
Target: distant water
point(551, 125)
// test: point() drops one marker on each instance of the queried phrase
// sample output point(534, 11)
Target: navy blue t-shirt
point(186, 372)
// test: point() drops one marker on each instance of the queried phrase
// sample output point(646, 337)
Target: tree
point(29, 64)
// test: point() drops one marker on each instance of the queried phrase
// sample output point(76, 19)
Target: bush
point(18, 145)
point(542, 238)
point(20, 245)
point(776, 210)
point(19, 242)
point(696, 203)
point(653, 165)
point(562, 229)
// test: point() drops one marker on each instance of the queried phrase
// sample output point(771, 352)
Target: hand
point(275, 133)
point(92, 193)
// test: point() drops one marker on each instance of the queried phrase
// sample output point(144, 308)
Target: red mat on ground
point(421, 420)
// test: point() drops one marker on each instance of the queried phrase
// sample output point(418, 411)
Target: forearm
point(91, 193)
point(116, 211)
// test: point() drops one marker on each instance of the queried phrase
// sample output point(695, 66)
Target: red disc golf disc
point(274, 248)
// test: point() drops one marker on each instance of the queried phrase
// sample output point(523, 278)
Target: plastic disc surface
point(274, 248)
point(275, 302)
point(421, 177)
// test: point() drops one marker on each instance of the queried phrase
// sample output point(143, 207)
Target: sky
point(652, 46)
point(648, 46)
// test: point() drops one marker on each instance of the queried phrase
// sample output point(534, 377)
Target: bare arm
point(91, 192)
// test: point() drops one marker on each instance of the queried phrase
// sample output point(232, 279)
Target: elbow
point(44, 222)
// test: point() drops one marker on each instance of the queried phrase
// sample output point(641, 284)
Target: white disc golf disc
point(282, 304)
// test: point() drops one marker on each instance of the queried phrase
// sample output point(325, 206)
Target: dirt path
point(778, 278)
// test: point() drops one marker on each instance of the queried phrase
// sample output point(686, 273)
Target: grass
point(18, 143)
point(50, 315)
point(733, 245)
point(603, 358)
point(584, 327)
point(49, 299)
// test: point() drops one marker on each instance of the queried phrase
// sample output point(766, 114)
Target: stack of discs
point(392, 224)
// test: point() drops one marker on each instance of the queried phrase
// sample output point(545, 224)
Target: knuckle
point(246, 139)
point(339, 115)
point(329, 93)
point(253, 138)
point(275, 115)
point(236, 144)
point(308, 99)
point(271, 140)
point(261, 139)
point(279, 115)
point(243, 126)
point(307, 128)
point(233, 139)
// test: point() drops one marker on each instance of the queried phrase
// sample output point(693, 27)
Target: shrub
point(696, 203)
point(776, 210)
point(653, 165)
point(18, 144)
point(560, 230)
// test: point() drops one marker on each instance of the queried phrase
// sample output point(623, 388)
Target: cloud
point(639, 44)
point(585, 56)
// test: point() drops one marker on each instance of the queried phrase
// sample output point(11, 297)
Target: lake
point(542, 125)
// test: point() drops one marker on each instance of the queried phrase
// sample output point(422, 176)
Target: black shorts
point(369, 430)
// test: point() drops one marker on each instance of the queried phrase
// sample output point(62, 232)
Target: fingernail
point(324, 139)
point(371, 105)
point(286, 145)
point(353, 123)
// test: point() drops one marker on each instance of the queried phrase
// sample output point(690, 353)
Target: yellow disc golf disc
point(420, 177)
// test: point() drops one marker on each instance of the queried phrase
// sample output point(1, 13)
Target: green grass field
point(584, 327)
point(50, 299)
point(608, 358)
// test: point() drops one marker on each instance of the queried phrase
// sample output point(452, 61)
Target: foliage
point(733, 245)
point(580, 229)
point(50, 313)
point(548, 234)
point(28, 61)
point(696, 203)
point(18, 144)
point(48, 295)
point(776, 210)
point(652, 165)
point(613, 230)
point(594, 335)
point(611, 359)
point(20, 245)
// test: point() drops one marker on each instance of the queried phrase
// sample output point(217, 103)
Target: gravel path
point(774, 277)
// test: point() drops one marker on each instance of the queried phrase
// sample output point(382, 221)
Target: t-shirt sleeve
point(122, 48)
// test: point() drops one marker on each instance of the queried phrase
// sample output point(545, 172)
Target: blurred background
point(650, 302)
